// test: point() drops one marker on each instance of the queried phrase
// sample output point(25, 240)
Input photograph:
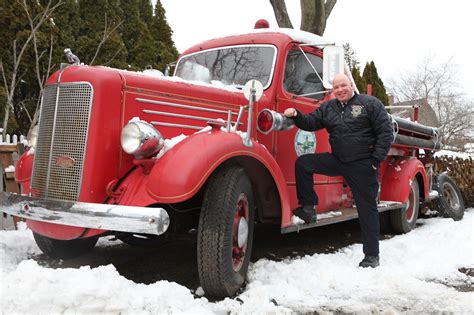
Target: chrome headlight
point(33, 136)
point(141, 139)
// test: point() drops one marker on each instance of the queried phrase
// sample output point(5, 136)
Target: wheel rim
point(451, 196)
point(240, 232)
point(410, 208)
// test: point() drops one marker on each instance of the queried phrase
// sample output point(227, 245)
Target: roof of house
point(427, 115)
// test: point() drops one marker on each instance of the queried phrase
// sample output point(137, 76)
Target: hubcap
point(451, 196)
point(243, 233)
point(240, 232)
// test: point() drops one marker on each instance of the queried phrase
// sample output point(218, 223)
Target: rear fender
point(398, 176)
point(182, 171)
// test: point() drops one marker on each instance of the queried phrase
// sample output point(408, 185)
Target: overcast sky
point(396, 35)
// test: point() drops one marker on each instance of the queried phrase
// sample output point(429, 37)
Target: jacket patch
point(356, 110)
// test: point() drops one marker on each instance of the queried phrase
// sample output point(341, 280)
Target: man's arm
point(383, 129)
point(311, 122)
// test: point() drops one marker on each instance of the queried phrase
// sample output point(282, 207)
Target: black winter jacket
point(360, 129)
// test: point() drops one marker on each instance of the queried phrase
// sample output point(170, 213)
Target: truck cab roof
point(279, 36)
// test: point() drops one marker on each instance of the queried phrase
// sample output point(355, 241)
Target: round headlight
point(141, 139)
point(33, 136)
point(131, 138)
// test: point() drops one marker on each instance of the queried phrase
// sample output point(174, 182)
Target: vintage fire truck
point(147, 157)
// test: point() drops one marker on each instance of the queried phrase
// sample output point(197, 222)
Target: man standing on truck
point(360, 134)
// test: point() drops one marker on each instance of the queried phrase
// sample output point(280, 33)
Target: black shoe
point(306, 213)
point(370, 261)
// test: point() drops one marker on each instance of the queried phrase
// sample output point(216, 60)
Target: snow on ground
point(418, 273)
point(453, 154)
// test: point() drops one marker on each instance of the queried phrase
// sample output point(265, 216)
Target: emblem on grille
point(65, 161)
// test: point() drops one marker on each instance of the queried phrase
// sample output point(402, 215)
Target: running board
point(340, 215)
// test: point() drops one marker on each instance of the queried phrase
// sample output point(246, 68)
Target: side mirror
point(253, 88)
point(333, 63)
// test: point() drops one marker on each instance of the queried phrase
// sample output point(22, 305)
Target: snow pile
point(417, 274)
point(10, 169)
point(452, 154)
point(169, 144)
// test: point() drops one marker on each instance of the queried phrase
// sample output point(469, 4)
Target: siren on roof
point(262, 23)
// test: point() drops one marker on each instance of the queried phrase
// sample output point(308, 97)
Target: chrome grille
point(62, 135)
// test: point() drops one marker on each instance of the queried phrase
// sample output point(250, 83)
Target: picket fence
point(11, 139)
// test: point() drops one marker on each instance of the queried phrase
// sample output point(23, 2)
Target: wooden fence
point(8, 157)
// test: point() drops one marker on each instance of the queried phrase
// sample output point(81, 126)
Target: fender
point(398, 176)
point(181, 172)
point(24, 171)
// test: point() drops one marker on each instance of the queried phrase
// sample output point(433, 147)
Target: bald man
point(360, 134)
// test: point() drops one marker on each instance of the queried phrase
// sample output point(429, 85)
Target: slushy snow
point(418, 274)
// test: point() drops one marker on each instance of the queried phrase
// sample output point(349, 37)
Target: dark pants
point(361, 178)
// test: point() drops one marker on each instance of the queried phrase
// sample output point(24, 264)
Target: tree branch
point(328, 7)
point(105, 36)
point(281, 14)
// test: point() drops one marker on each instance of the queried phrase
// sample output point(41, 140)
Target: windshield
point(229, 66)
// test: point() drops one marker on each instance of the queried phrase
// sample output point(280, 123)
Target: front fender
point(397, 177)
point(24, 170)
point(183, 170)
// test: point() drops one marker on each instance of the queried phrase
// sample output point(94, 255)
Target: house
point(426, 116)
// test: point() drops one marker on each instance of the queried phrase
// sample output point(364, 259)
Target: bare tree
point(314, 14)
point(15, 75)
point(437, 83)
point(109, 29)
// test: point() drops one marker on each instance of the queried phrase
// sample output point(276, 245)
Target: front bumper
point(87, 215)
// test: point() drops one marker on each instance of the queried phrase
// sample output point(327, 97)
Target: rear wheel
point(404, 220)
point(225, 232)
point(60, 249)
point(450, 203)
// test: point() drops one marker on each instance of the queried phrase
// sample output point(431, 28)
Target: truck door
point(301, 87)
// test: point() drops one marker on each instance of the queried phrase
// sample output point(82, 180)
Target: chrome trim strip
point(347, 214)
point(144, 100)
point(87, 215)
point(48, 175)
point(154, 112)
point(87, 135)
point(157, 123)
point(38, 123)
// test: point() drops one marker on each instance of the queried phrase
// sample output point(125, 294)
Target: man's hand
point(290, 112)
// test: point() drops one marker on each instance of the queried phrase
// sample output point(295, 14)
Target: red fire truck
point(146, 157)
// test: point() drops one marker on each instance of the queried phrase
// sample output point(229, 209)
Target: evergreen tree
point(371, 77)
point(99, 17)
point(161, 33)
point(16, 29)
point(145, 8)
point(359, 80)
point(350, 56)
point(136, 35)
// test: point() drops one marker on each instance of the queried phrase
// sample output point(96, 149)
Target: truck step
point(340, 215)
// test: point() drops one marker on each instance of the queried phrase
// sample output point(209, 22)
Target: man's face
point(342, 89)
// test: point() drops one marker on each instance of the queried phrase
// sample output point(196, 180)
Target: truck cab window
point(300, 78)
point(229, 66)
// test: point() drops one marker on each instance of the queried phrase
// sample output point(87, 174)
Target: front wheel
point(225, 232)
point(60, 249)
point(449, 203)
point(404, 220)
